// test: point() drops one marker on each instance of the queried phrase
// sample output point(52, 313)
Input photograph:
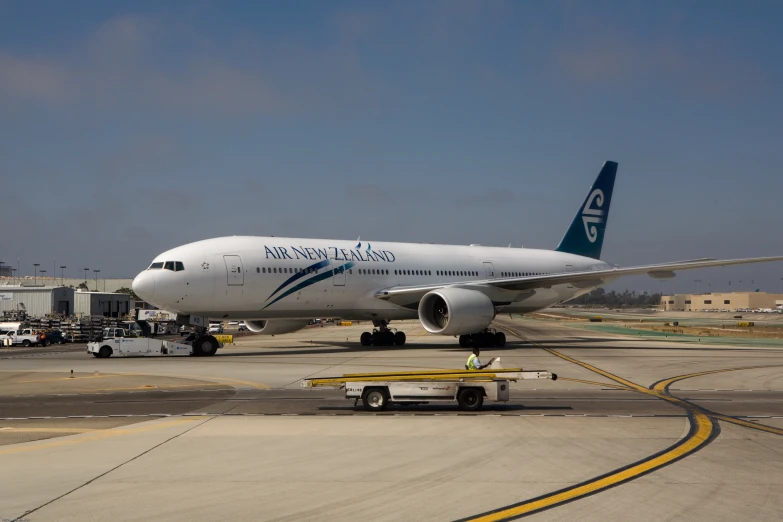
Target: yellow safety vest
point(472, 362)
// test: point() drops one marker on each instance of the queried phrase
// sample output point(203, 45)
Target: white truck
point(25, 337)
point(116, 341)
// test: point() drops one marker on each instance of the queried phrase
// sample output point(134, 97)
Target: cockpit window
point(169, 265)
point(178, 266)
point(156, 266)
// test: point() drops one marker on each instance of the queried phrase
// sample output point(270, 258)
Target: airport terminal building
point(729, 301)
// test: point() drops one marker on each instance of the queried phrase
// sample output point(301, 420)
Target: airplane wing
point(406, 295)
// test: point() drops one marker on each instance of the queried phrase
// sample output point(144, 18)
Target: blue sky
point(129, 128)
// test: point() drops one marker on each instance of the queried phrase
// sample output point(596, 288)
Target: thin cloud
point(490, 197)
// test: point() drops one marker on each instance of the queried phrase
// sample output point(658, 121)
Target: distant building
point(106, 304)
point(37, 301)
point(721, 301)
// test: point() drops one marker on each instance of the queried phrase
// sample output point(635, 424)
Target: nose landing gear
point(382, 336)
point(489, 338)
point(203, 345)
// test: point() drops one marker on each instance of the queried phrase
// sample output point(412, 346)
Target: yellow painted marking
point(704, 429)
point(50, 430)
point(700, 436)
point(151, 387)
point(100, 435)
point(73, 378)
point(661, 386)
point(595, 383)
point(222, 380)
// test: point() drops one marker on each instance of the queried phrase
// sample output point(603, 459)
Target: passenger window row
point(373, 271)
point(174, 266)
point(413, 272)
point(457, 273)
point(522, 274)
point(284, 270)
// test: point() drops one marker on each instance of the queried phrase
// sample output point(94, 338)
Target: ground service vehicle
point(115, 341)
point(469, 388)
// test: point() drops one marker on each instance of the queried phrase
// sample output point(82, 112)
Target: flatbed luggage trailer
point(469, 388)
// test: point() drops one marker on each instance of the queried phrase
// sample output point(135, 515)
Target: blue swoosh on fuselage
point(311, 281)
point(299, 275)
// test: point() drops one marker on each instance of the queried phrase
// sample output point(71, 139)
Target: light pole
point(35, 277)
point(96, 279)
point(62, 274)
point(85, 277)
point(42, 273)
point(697, 281)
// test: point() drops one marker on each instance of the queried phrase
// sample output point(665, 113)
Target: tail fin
point(585, 236)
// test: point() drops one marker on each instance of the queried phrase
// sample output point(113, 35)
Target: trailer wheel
point(375, 399)
point(470, 399)
point(105, 352)
point(26, 343)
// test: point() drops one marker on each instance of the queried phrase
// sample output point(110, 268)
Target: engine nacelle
point(276, 326)
point(455, 311)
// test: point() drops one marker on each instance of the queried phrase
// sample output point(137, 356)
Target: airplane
point(277, 284)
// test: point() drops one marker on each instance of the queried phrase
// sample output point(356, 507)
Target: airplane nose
point(144, 285)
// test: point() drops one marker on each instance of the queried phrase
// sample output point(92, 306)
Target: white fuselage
point(279, 278)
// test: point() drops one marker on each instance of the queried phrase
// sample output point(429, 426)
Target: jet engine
point(276, 326)
point(455, 311)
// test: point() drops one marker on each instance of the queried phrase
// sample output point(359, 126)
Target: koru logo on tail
point(592, 214)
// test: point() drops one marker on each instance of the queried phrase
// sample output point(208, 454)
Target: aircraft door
point(234, 270)
point(339, 273)
point(490, 269)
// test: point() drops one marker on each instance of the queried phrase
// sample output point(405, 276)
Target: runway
point(633, 429)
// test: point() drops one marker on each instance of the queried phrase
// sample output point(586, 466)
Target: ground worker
point(474, 363)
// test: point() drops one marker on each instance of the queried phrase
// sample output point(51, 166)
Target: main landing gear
point(489, 338)
point(382, 335)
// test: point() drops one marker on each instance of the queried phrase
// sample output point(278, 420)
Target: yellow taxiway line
point(701, 432)
point(101, 435)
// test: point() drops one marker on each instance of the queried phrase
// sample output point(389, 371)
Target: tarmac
point(634, 429)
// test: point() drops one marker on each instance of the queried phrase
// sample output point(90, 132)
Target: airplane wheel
point(464, 341)
point(500, 339)
point(399, 338)
point(366, 339)
point(205, 346)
